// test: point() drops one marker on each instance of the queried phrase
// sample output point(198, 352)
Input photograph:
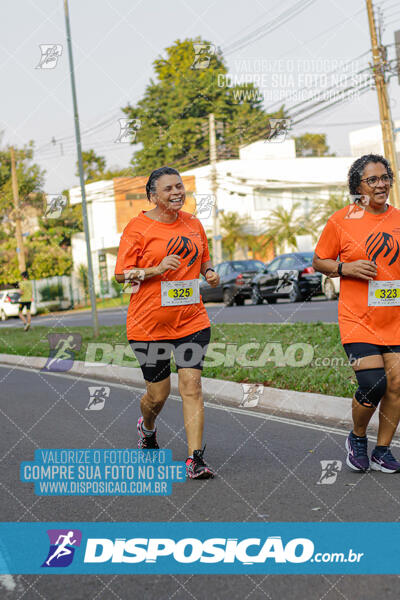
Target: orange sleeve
point(328, 244)
point(206, 253)
point(129, 250)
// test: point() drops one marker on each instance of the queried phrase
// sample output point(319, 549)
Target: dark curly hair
point(156, 174)
point(357, 169)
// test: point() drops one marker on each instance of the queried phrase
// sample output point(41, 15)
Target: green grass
point(327, 373)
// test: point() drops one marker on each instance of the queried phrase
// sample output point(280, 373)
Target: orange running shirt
point(354, 234)
point(144, 243)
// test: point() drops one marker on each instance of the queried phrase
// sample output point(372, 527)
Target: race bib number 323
point(176, 293)
point(384, 293)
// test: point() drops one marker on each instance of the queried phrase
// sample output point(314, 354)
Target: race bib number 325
point(384, 293)
point(176, 293)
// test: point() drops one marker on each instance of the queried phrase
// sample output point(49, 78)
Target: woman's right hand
point(360, 269)
point(172, 261)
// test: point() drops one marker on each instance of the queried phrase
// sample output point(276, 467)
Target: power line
point(270, 26)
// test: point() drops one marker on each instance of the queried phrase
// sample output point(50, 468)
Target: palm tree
point(233, 232)
point(323, 209)
point(283, 227)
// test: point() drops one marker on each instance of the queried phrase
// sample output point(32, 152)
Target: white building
point(369, 140)
point(256, 183)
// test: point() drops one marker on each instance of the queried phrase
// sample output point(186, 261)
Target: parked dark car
point(289, 276)
point(235, 282)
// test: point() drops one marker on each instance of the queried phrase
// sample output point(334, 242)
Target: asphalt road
point(267, 470)
point(282, 312)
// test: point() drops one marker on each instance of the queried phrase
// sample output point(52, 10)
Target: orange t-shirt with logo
point(144, 243)
point(352, 233)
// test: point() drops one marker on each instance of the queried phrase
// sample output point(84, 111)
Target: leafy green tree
point(58, 232)
point(30, 181)
point(312, 144)
point(94, 168)
point(173, 113)
point(233, 232)
point(282, 227)
point(93, 165)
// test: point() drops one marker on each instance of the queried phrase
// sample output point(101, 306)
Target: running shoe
point(26, 327)
point(357, 453)
point(146, 442)
point(196, 468)
point(383, 460)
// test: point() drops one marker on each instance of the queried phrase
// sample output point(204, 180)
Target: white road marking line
point(242, 411)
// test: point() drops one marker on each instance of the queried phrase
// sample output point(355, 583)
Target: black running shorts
point(358, 350)
point(27, 304)
point(155, 357)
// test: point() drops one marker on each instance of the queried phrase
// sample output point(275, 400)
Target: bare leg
point(153, 401)
point(193, 407)
point(21, 316)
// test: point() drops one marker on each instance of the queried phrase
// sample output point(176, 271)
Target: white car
point(330, 287)
point(9, 304)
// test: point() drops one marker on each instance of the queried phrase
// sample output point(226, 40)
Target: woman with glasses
point(365, 238)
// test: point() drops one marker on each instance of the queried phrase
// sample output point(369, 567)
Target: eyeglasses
point(374, 180)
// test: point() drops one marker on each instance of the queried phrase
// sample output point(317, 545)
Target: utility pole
point(95, 321)
point(18, 227)
point(384, 104)
point(216, 246)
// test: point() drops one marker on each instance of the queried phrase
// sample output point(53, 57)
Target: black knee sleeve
point(371, 386)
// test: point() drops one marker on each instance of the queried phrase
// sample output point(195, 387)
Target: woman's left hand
point(212, 278)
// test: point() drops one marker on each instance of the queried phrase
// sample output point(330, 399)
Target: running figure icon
point(62, 549)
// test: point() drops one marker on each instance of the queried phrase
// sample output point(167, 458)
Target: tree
point(323, 209)
point(30, 181)
point(172, 117)
point(58, 232)
point(233, 232)
point(283, 227)
point(47, 243)
point(94, 168)
point(312, 144)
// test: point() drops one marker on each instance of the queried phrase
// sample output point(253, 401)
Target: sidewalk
point(298, 404)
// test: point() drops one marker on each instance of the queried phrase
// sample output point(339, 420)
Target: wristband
point(209, 269)
point(339, 269)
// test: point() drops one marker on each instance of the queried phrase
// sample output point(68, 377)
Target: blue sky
point(116, 41)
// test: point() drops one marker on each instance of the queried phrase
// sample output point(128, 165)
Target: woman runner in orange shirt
point(162, 253)
point(366, 238)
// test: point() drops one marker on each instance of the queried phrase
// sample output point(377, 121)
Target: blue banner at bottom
point(210, 548)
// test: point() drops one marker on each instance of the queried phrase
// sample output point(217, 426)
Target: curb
point(300, 404)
